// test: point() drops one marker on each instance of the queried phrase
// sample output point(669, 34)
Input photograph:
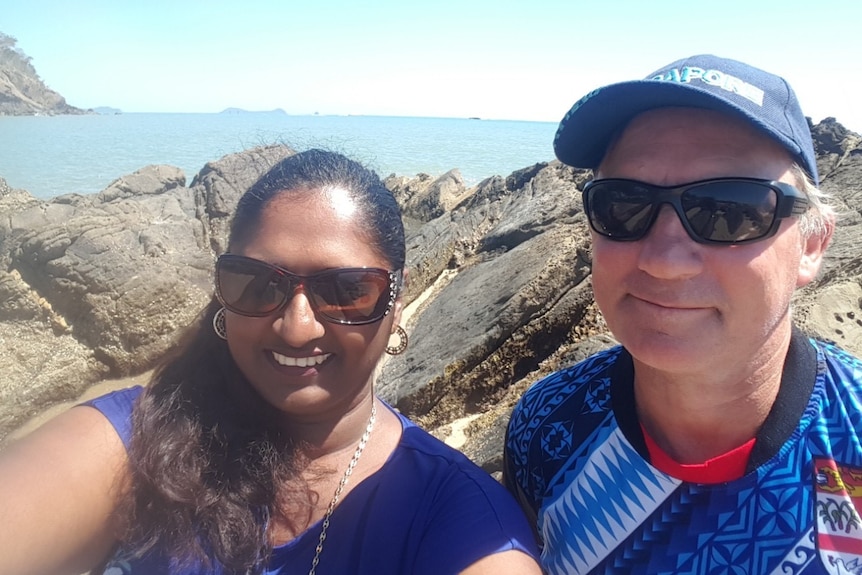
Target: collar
point(797, 383)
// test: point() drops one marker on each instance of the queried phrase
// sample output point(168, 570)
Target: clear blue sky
point(488, 58)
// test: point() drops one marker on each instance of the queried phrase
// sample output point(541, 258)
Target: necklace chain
point(362, 442)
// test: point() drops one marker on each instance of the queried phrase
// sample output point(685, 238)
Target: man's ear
point(814, 247)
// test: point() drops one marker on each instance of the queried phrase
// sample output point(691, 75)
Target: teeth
point(300, 361)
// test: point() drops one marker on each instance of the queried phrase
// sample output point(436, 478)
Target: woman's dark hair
point(313, 170)
point(209, 462)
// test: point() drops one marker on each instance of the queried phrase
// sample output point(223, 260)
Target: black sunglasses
point(716, 211)
point(350, 296)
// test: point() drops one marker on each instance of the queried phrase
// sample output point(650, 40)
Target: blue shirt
point(576, 458)
point(429, 509)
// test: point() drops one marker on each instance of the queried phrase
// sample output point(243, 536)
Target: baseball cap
point(764, 100)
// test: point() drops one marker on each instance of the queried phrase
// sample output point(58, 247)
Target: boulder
point(498, 288)
point(96, 287)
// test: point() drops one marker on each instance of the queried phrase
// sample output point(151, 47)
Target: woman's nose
point(298, 324)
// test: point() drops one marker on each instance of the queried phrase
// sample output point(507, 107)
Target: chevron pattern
point(607, 499)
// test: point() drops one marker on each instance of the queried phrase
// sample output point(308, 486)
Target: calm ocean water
point(54, 155)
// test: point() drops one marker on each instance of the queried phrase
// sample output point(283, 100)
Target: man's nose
point(667, 251)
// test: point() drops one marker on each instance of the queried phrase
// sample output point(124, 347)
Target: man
point(717, 438)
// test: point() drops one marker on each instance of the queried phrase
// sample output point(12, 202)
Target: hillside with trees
point(22, 91)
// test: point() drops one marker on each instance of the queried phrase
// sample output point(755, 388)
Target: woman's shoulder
point(416, 439)
point(421, 454)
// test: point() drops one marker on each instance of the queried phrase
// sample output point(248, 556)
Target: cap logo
point(713, 78)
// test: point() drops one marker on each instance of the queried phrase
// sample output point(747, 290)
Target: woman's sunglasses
point(351, 296)
point(717, 211)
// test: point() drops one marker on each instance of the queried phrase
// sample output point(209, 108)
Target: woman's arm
point(59, 489)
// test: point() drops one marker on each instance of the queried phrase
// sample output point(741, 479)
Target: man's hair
point(820, 215)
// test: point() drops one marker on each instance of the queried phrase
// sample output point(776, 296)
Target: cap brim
point(585, 132)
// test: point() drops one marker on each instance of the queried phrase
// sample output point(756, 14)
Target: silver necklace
point(362, 441)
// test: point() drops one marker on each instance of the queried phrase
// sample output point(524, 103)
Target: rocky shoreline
point(95, 288)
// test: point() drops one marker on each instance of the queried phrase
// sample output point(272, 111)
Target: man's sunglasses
point(351, 296)
point(717, 211)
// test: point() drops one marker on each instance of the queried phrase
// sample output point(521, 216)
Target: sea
point(55, 155)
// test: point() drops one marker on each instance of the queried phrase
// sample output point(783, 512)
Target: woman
point(260, 447)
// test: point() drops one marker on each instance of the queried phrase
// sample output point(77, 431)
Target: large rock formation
point(22, 92)
point(98, 286)
point(832, 305)
point(93, 287)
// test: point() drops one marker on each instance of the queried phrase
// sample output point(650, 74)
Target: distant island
point(22, 91)
point(107, 110)
point(241, 111)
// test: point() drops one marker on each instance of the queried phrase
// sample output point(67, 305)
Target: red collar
point(720, 469)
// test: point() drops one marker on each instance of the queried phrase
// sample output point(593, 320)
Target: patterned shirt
point(577, 461)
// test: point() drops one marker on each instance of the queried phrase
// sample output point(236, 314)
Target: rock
point(831, 306)
point(102, 285)
point(14, 200)
point(219, 185)
point(41, 367)
point(150, 180)
point(834, 312)
point(833, 143)
point(424, 198)
point(499, 286)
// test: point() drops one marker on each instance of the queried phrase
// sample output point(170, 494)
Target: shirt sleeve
point(117, 407)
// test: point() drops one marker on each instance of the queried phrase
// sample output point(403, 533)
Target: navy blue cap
point(764, 100)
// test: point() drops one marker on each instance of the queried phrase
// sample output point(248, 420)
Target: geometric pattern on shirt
point(761, 523)
point(611, 494)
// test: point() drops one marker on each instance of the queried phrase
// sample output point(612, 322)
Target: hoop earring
point(402, 344)
point(219, 324)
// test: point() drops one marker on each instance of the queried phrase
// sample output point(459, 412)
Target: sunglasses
point(717, 211)
point(351, 296)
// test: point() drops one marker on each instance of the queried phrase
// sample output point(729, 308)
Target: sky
point(493, 59)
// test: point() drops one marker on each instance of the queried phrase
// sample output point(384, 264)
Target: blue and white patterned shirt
point(576, 459)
